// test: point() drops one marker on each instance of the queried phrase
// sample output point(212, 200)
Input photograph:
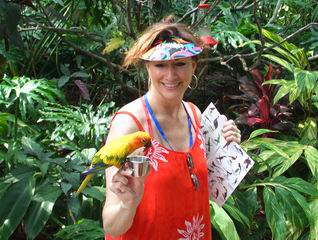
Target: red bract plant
point(257, 108)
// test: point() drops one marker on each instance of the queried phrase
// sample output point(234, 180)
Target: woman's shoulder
point(196, 110)
point(129, 118)
point(133, 107)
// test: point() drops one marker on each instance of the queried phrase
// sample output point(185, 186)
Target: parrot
point(114, 153)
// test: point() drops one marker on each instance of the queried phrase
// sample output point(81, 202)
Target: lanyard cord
point(163, 135)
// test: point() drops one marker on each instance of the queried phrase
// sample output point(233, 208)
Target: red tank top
point(171, 207)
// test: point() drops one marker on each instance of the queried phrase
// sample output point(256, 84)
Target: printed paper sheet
point(227, 162)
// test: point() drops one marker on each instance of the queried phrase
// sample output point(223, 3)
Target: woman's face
point(171, 78)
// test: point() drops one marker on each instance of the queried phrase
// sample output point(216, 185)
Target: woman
point(172, 201)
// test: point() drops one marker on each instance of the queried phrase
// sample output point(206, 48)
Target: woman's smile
point(170, 85)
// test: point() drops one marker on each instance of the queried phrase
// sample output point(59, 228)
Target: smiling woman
point(171, 202)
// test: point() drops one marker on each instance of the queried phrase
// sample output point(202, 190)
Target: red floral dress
point(171, 207)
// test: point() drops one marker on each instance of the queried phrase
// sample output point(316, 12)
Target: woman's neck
point(163, 106)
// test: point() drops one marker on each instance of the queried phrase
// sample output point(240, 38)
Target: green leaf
point(247, 198)
point(293, 94)
point(83, 230)
point(66, 187)
point(29, 87)
point(236, 214)
point(305, 81)
point(272, 147)
point(308, 130)
point(313, 206)
point(274, 215)
point(299, 185)
point(280, 61)
point(74, 205)
point(287, 163)
point(72, 177)
point(40, 211)
point(296, 219)
point(3, 188)
point(14, 204)
point(260, 132)
point(64, 69)
point(303, 203)
point(47, 192)
point(95, 192)
point(63, 80)
point(80, 75)
point(223, 223)
point(311, 155)
point(284, 90)
point(18, 174)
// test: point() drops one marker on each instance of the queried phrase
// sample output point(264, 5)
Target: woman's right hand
point(127, 188)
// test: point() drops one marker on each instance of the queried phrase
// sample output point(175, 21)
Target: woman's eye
point(180, 64)
point(159, 65)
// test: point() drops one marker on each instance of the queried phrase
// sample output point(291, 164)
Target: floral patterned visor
point(169, 50)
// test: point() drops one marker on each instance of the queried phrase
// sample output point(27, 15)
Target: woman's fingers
point(230, 132)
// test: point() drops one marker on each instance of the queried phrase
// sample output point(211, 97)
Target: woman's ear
point(194, 66)
point(147, 66)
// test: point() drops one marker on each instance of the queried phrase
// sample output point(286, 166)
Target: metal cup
point(139, 165)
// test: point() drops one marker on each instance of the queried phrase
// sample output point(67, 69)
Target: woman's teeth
point(170, 85)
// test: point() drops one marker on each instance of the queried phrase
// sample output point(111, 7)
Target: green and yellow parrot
point(114, 153)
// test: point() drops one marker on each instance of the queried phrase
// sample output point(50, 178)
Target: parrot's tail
point(84, 183)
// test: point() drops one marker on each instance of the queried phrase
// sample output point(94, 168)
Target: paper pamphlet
point(227, 162)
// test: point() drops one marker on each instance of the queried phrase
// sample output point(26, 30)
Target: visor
point(174, 49)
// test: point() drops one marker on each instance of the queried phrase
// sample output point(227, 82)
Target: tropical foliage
point(61, 81)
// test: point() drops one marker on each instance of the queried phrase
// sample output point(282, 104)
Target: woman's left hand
point(230, 132)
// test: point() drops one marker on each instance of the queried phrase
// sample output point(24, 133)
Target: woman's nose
point(171, 72)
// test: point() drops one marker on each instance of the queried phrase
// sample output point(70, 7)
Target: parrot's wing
point(94, 168)
point(112, 154)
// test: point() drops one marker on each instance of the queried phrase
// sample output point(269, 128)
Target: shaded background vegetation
point(61, 81)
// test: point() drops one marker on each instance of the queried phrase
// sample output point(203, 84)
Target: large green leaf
point(296, 219)
point(274, 214)
point(236, 214)
point(311, 155)
point(308, 130)
point(14, 204)
point(284, 90)
point(84, 229)
point(298, 184)
point(287, 163)
point(314, 228)
point(305, 81)
point(95, 192)
point(280, 61)
point(247, 198)
point(223, 223)
point(259, 132)
point(40, 211)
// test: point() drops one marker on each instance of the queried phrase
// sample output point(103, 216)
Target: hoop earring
point(149, 83)
point(195, 84)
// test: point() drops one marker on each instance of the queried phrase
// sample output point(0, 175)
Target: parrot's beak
point(148, 145)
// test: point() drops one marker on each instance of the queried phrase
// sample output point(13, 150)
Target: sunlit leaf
point(311, 155)
point(274, 215)
point(280, 61)
point(259, 132)
point(223, 223)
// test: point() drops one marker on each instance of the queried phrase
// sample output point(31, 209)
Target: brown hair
point(156, 32)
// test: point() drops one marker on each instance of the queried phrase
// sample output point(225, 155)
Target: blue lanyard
point(163, 135)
